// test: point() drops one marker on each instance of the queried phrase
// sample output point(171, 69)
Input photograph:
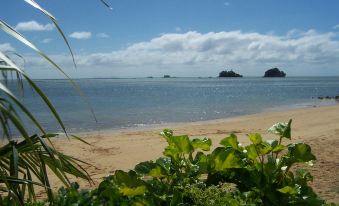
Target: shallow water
point(128, 103)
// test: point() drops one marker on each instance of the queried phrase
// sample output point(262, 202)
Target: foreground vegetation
point(26, 157)
point(262, 173)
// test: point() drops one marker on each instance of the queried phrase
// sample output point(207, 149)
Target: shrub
point(257, 174)
point(222, 194)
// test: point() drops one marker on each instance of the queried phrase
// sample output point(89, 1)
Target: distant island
point(274, 72)
point(229, 74)
point(167, 76)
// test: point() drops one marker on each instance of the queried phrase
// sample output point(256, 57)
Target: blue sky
point(179, 37)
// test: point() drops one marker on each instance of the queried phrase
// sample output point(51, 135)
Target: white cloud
point(47, 40)
point(336, 26)
point(81, 35)
point(205, 54)
point(33, 26)
point(227, 3)
point(6, 47)
point(103, 35)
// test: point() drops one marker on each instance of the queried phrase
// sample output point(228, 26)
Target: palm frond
point(11, 31)
point(53, 19)
point(24, 162)
point(106, 4)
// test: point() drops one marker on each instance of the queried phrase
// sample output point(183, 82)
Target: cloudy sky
point(140, 38)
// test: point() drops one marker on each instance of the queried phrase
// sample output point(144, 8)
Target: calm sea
point(128, 103)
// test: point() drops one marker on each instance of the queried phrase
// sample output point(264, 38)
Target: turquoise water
point(128, 103)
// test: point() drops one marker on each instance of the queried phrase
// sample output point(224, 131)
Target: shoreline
point(316, 126)
point(163, 125)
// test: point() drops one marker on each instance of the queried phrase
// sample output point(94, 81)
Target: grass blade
point(106, 4)
point(16, 122)
point(53, 19)
point(8, 29)
point(80, 139)
point(21, 106)
point(37, 6)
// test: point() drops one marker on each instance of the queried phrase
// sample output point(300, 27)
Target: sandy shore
point(318, 127)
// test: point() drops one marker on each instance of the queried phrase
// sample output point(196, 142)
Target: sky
point(183, 38)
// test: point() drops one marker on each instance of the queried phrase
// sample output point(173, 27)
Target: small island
point(274, 72)
point(229, 74)
point(167, 76)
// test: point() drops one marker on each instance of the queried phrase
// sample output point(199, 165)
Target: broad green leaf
point(144, 167)
point(150, 168)
point(304, 175)
point(203, 161)
point(225, 159)
point(269, 166)
point(171, 151)
point(167, 133)
point(157, 172)
point(230, 141)
point(203, 144)
point(282, 129)
point(252, 152)
point(133, 191)
point(176, 144)
point(128, 179)
point(165, 163)
point(278, 148)
point(264, 148)
point(272, 143)
point(301, 152)
point(182, 143)
point(290, 190)
point(130, 184)
point(255, 138)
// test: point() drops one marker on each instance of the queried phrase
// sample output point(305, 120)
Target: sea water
point(130, 103)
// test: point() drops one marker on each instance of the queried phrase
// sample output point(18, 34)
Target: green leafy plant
point(261, 173)
point(223, 194)
point(265, 167)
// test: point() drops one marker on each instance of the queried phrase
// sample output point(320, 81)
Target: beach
point(123, 149)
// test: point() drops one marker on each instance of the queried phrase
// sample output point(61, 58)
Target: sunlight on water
point(126, 103)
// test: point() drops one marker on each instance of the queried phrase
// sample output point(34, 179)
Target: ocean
point(142, 102)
